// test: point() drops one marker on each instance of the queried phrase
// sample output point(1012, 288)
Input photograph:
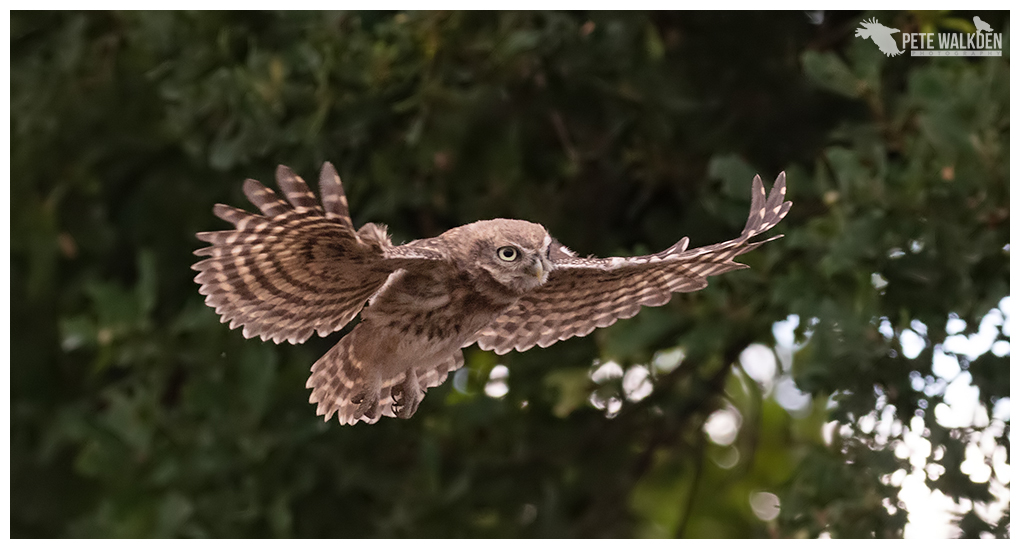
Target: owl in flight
point(505, 284)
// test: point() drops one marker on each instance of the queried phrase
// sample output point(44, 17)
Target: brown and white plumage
point(506, 284)
point(587, 293)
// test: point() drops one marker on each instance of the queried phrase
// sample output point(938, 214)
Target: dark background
point(134, 412)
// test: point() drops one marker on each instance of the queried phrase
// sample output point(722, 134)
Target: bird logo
point(981, 26)
point(881, 35)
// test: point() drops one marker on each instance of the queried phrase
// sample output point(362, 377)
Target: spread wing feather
point(298, 268)
point(587, 293)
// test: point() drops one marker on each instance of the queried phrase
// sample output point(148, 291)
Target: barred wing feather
point(587, 293)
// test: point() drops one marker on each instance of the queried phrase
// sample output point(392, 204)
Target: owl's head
point(514, 253)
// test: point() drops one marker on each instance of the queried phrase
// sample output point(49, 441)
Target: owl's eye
point(507, 253)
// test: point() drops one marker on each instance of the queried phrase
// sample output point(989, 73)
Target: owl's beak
point(538, 269)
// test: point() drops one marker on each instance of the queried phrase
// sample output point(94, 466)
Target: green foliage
point(135, 413)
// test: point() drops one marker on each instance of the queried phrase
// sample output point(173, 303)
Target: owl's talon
point(373, 413)
point(406, 396)
point(366, 403)
point(397, 394)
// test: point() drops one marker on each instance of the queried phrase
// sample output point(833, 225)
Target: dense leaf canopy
point(134, 412)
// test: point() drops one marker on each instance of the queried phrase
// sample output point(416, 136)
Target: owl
point(504, 284)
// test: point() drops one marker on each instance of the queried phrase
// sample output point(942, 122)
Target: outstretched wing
point(298, 267)
point(582, 294)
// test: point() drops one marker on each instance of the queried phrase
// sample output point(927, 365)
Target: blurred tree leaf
point(136, 413)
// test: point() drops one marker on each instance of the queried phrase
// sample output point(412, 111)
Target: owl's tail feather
point(343, 384)
point(355, 391)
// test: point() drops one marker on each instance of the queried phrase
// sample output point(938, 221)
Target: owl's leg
point(367, 398)
point(407, 395)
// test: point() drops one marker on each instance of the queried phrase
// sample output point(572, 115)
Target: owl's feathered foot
point(407, 395)
point(355, 391)
point(367, 402)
